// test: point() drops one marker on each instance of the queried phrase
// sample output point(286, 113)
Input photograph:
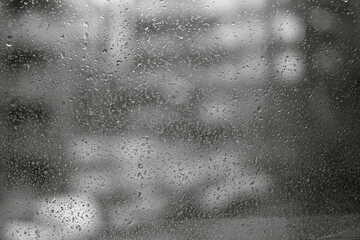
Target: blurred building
point(144, 111)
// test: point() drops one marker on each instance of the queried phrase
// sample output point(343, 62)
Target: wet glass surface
point(140, 119)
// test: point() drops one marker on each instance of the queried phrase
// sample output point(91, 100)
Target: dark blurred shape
point(311, 137)
point(25, 112)
point(22, 58)
point(20, 6)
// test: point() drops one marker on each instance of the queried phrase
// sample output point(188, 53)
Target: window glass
point(164, 119)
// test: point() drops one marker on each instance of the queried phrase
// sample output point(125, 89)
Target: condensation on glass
point(164, 119)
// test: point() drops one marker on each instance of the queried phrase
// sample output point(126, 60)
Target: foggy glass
point(164, 119)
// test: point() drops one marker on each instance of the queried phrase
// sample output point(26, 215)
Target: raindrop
point(37, 232)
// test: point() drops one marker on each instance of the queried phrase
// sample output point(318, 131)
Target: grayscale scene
point(179, 119)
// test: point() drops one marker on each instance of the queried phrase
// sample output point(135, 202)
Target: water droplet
point(37, 232)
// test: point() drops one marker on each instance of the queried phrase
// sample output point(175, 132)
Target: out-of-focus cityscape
point(131, 119)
